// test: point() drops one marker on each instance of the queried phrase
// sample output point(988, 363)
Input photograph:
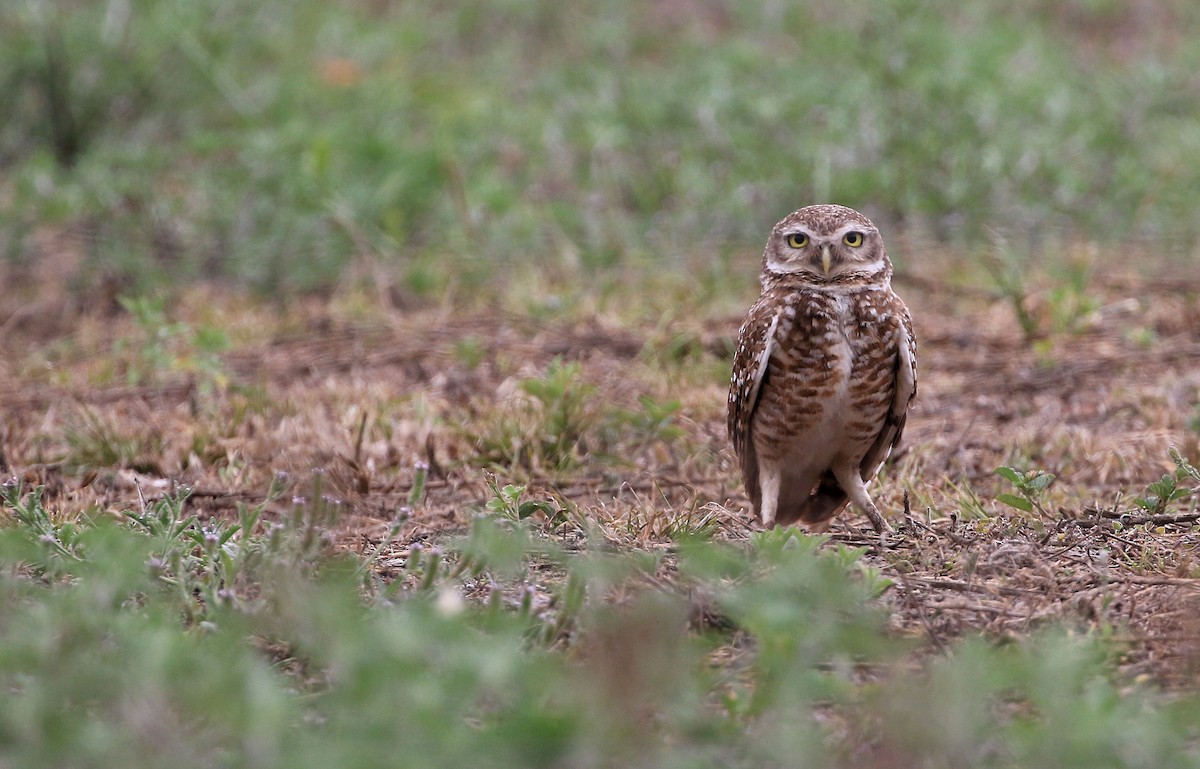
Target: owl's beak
point(826, 258)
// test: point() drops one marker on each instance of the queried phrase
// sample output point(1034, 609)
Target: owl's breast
point(828, 381)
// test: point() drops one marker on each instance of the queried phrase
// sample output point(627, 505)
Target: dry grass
point(353, 399)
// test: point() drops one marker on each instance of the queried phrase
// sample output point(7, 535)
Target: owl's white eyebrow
point(852, 227)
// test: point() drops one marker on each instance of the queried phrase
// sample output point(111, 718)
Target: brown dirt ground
point(357, 398)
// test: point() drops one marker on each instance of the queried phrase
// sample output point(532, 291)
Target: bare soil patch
point(354, 405)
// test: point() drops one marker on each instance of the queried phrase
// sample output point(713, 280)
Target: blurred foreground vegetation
point(157, 641)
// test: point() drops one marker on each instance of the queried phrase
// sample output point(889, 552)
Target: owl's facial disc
point(851, 248)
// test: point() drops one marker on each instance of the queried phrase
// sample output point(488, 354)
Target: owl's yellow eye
point(853, 239)
point(797, 240)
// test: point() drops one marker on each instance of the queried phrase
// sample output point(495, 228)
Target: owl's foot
point(877, 521)
point(851, 481)
point(882, 527)
point(885, 531)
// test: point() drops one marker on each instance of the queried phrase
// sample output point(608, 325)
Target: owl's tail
point(820, 506)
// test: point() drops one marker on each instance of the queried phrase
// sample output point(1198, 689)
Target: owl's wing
point(905, 379)
point(756, 342)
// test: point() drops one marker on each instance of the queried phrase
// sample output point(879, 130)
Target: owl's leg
point(770, 479)
point(852, 483)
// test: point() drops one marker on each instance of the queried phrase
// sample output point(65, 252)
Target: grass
point(362, 371)
point(151, 637)
point(282, 150)
point(350, 580)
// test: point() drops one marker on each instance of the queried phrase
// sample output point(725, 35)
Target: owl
point(825, 369)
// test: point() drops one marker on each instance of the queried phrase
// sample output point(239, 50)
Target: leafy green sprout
point(470, 352)
point(1029, 486)
point(1170, 487)
point(508, 501)
point(29, 510)
point(1070, 301)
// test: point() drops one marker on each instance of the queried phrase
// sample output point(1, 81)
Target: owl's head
point(827, 244)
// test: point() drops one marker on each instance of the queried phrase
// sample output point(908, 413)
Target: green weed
point(59, 539)
point(159, 637)
point(1060, 309)
point(1184, 483)
point(508, 502)
point(171, 347)
point(544, 426)
point(971, 507)
point(98, 443)
point(654, 422)
point(658, 519)
point(552, 423)
point(1029, 486)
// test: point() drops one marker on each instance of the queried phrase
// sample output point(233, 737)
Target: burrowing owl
point(826, 366)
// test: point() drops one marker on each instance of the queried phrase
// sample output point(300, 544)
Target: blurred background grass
point(272, 144)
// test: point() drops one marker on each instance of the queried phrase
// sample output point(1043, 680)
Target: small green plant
point(195, 561)
point(1029, 486)
point(508, 502)
point(552, 423)
point(173, 347)
point(470, 352)
point(61, 539)
point(416, 493)
point(970, 506)
point(1061, 309)
point(563, 402)
point(97, 442)
point(215, 563)
point(1159, 495)
point(1194, 421)
point(544, 426)
point(1011, 277)
point(659, 519)
point(1070, 300)
point(654, 422)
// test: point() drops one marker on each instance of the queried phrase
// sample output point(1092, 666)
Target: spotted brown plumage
point(824, 371)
